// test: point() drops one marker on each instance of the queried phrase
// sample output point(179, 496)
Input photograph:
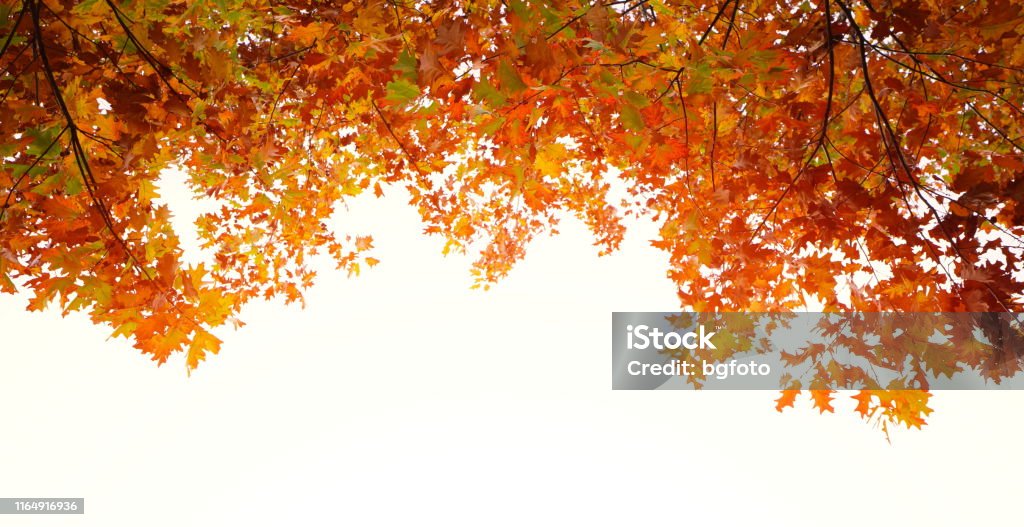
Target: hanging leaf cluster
point(866, 155)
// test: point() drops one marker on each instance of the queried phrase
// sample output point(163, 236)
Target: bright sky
point(404, 398)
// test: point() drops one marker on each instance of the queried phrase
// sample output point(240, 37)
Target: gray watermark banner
point(838, 351)
point(42, 505)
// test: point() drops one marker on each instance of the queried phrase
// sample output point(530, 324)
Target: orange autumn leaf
point(786, 399)
point(823, 400)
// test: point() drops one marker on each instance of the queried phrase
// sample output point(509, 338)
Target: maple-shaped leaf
point(786, 399)
point(823, 400)
point(402, 91)
point(203, 342)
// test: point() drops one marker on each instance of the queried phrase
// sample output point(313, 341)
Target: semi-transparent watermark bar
point(42, 505)
point(771, 351)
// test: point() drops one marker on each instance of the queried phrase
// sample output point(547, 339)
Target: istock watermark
point(642, 337)
point(645, 336)
point(770, 351)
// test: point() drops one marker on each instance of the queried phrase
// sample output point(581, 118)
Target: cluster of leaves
point(864, 154)
point(890, 359)
point(880, 407)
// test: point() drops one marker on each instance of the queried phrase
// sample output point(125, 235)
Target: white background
point(404, 398)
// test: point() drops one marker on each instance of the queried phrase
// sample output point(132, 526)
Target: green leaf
point(402, 91)
point(631, 118)
point(700, 80)
point(636, 99)
point(594, 45)
point(72, 185)
point(407, 65)
point(765, 58)
point(510, 80)
point(42, 139)
point(490, 95)
point(493, 126)
point(100, 291)
point(520, 8)
point(46, 187)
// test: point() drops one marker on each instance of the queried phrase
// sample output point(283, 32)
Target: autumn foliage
point(863, 154)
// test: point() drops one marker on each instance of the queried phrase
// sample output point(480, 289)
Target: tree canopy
point(867, 154)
